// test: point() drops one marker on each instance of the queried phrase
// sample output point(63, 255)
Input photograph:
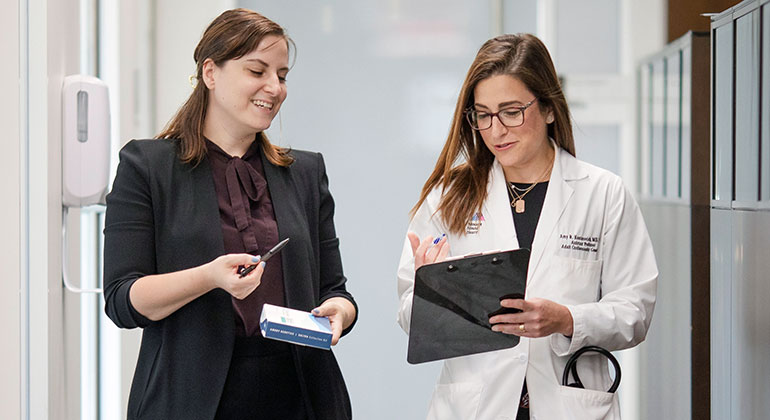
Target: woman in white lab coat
point(507, 178)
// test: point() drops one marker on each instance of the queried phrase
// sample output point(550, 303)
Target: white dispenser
point(85, 141)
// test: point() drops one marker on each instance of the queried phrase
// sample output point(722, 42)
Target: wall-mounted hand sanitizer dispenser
point(85, 141)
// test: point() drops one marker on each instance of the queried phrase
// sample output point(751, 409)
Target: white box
point(296, 327)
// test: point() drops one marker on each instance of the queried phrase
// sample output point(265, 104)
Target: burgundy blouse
point(248, 225)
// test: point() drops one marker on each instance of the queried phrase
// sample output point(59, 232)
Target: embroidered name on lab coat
point(475, 223)
point(579, 242)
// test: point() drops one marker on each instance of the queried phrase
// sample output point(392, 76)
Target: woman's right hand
point(430, 250)
point(223, 273)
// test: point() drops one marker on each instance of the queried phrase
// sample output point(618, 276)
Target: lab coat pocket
point(587, 404)
point(578, 280)
point(457, 401)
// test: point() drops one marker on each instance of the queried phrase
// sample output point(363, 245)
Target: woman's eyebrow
point(258, 61)
point(501, 105)
point(262, 62)
point(509, 103)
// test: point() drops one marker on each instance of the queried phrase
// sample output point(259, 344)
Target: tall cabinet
point(674, 159)
point(740, 212)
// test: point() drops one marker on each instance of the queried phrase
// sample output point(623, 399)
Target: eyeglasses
point(509, 117)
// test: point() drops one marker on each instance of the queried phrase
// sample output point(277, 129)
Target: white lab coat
point(591, 252)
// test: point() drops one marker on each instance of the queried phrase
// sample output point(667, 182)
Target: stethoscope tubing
point(572, 367)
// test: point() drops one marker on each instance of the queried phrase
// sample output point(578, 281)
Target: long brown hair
point(464, 184)
point(230, 36)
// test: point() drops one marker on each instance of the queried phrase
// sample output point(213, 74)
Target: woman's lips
point(504, 146)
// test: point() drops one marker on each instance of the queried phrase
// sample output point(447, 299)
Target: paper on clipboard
point(454, 299)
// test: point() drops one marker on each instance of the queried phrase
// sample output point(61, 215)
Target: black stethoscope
point(572, 367)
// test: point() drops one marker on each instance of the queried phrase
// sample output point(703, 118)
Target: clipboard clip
point(495, 260)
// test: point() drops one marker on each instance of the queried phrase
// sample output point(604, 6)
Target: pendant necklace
point(517, 198)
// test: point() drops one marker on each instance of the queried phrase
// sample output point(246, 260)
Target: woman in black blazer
point(190, 209)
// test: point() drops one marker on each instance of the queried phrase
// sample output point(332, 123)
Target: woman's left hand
point(340, 312)
point(538, 318)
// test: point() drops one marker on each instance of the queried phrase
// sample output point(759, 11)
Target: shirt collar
point(216, 152)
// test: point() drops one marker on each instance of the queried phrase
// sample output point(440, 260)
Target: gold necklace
point(517, 200)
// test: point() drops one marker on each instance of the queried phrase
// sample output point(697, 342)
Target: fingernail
point(435, 241)
point(255, 259)
point(496, 328)
point(316, 311)
point(263, 264)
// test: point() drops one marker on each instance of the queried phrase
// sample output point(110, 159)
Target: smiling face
point(523, 151)
point(246, 93)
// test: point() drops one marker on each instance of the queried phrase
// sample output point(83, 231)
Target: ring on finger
point(521, 328)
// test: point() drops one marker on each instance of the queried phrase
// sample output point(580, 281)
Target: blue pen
point(438, 239)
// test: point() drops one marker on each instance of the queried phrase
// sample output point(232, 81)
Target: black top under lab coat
point(162, 216)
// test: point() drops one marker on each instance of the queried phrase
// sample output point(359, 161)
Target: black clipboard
point(454, 299)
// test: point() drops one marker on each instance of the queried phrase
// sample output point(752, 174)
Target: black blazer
point(163, 216)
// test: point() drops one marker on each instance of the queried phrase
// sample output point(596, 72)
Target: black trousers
point(523, 413)
point(262, 383)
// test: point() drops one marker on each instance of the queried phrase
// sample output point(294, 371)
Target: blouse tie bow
point(244, 185)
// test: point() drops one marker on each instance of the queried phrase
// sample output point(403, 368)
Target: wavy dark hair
point(526, 58)
point(230, 36)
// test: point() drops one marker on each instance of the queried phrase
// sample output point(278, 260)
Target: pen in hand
point(438, 239)
point(246, 270)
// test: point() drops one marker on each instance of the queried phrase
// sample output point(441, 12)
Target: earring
point(549, 119)
point(193, 80)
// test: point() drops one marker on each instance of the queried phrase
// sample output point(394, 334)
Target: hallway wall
point(10, 213)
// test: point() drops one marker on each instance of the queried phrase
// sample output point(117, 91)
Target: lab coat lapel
point(556, 198)
point(497, 209)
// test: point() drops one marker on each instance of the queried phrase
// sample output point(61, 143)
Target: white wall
point(63, 350)
point(179, 25)
point(50, 387)
point(10, 214)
